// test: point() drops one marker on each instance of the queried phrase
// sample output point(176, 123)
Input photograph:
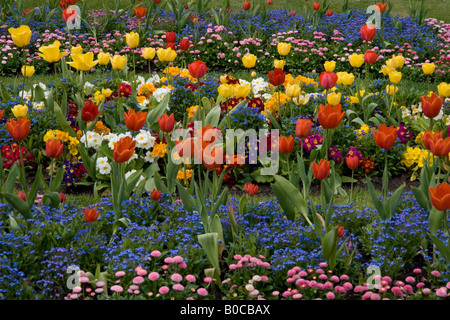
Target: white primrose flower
point(94, 140)
point(103, 165)
point(144, 140)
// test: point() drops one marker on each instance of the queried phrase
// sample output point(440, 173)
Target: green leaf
point(444, 251)
point(55, 185)
point(188, 200)
point(395, 199)
point(153, 114)
point(376, 201)
point(13, 223)
point(329, 244)
point(435, 219)
point(209, 243)
point(120, 222)
point(18, 204)
point(223, 199)
point(213, 116)
point(31, 197)
point(216, 227)
point(51, 199)
point(421, 198)
point(130, 183)
point(12, 177)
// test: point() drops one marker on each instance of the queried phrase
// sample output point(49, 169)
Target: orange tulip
point(18, 130)
point(440, 196)
point(156, 194)
point(341, 231)
point(286, 144)
point(166, 122)
point(135, 121)
point(352, 162)
point(53, 148)
point(140, 12)
point(385, 137)
point(382, 6)
point(123, 149)
point(321, 170)
point(2, 112)
point(330, 116)
point(303, 128)
point(429, 137)
point(250, 188)
point(209, 158)
point(440, 147)
point(431, 106)
point(90, 215)
point(89, 111)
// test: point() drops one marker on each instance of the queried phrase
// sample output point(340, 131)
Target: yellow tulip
point(166, 55)
point(132, 39)
point(293, 90)
point(21, 36)
point(329, 66)
point(444, 89)
point(279, 64)
point(428, 68)
point(83, 62)
point(225, 90)
point(242, 91)
point(301, 99)
point(391, 89)
point(118, 62)
point(348, 79)
point(356, 60)
point(28, 71)
point(340, 75)
point(396, 62)
point(148, 53)
point(249, 60)
point(385, 70)
point(20, 111)
point(51, 53)
point(103, 58)
point(395, 76)
point(284, 48)
point(107, 92)
point(76, 50)
point(334, 98)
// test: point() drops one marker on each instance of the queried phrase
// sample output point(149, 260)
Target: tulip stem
point(439, 170)
point(351, 187)
point(51, 171)
point(24, 74)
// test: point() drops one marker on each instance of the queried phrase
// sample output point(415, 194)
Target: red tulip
point(440, 196)
point(329, 13)
point(303, 128)
point(184, 44)
point(341, 231)
point(140, 12)
point(440, 147)
point(26, 11)
point(328, 79)
point(135, 121)
point(385, 137)
point(330, 116)
point(53, 148)
point(212, 157)
point(270, 2)
point(89, 111)
point(90, 215)
point(171, 37)
point(247, 5)
point(321, 170)
point(156, 194)
point(352, 162)
point(431, 106)
point(368, 32)
point(67, 13)
point(429, 138)
point(22, 195)
point(63, 4)
point(62, 197)
point(123, 149)
point(71, 2)
point(250, 188)
point(197, 69)
point(277, 77)
point(2, 112)
point(316, 5)
point(18, 130)
point(171, 45)
point(370, 57)
point(286, 144)
point(166, 122)
point(157, 1)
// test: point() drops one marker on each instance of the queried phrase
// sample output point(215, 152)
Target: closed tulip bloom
point(368, 32)
point(132, 39)
point(22, 195)
point(184, 44)
point(249, 60)
point(89, 111)
point(279, 64)
point(197, 69)
point(352, 162)
point(247, 5)
point(250, 188)
point(135, 120)
point(51, 53)
point(386, 70)
point(148, 53)
point(103, 58)
point(21, 36)
point(286, 144)
point(83, 62)
point(171, 37)
point(395, 76)
point(53, 148)
point(330, 116)
point(118, 62)
point(334, 98)
point(341, 231)
point(156, 194)
point(329, 66)
point(2, 113)
point(348, 79)
point(140, 12)
point(277, 77)
point(90, 215)
point(67, 13)
point(328, 79)
point(429, 137)
point(166, 122)
point(370, 57)
point(293, 90)
point(284, 48)
point(385, 137)
point(76, 50)
point(356, 60)
point(316, 5)
point(428, 68)
point(20, 111)
point(382, 6)
point(226, 90)
point(303, 128)
point(329, 13)
point(396, 62)
point(431, 106)
point(166, 55)
point(171, 45)
point(440, 147)
point(28, 71)
point(322, 170)
point(242, 90)
point(123, 149)
point(440, 196)
point(391, 89)
point(444, 89)
point(18, 130)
